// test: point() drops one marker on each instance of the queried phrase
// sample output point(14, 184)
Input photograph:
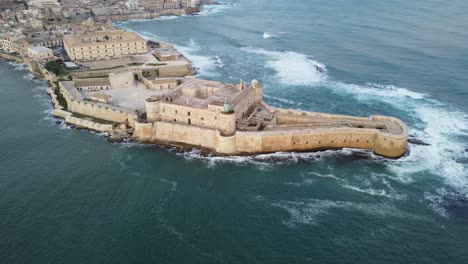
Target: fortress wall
point(102, 112)
point(174, 71)
point(262, 142)
point(226, 144)
point(152, 111)
point(265, 142)
point(190, 135)
point(61, 113)
point(88, 124)
point(314, 114)
point(291, 120)
point(197, 116)
point(176, 133)
point(392, 145)
point(145, 132)
point(245, 100)
point(122, 80)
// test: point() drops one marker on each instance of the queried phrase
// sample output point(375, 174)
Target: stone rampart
point(102, 111)
point(83, 123)
point(247, 143)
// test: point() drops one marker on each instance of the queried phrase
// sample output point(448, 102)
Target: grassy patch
point(110, 68)
point(135, 64)
point(56, 67)
point(61, 100)
point(156, 64)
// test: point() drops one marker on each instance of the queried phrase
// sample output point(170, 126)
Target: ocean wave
point(18, 66)
point(266, 35)
point(269, 161)
point(206, 65)
point(376, 92)
point(219, 62)
point(292, 68)
point(373, 192)
point(209, 10)
point(443, 127)
point(282, 100)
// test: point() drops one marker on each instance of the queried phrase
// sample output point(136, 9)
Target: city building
point(167, 54)
point(104, 44)
point(13, 43)
point(43, 3)
point(40, 53)
point(133, 4)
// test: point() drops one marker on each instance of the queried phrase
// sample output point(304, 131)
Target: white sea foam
point(17, 66)
point(292, 68)
point(331, 176)
point(267, 35)
point(376, 92)
point(369, 191)
point(172, 183)
point(304, 182)
point(268, 161)
point(283, 100)
point(219, 62)
point(443, 127)
point(215, 9)
point(306, 212)
point(205, 64)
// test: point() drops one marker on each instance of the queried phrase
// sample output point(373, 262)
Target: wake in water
point(309, 211)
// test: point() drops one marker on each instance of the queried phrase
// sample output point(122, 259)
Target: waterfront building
point(13, 43)
point(103, 44)
point(190, 3)
point(40, 53)
point(167, 54)
point(133, 4)
point(43, 3)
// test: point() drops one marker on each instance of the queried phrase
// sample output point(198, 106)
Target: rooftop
point(111, 36)
point(201, 93)
point(39, 49)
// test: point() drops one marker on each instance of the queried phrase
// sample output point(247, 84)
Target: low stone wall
point(83, 123)
point(125, 17)
point(102, 111)
point(10, 57)
point(70, 119)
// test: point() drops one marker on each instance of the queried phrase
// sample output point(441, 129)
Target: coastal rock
point(416, 141)
point(118, 135)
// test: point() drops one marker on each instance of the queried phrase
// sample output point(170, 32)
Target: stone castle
point(223, 118)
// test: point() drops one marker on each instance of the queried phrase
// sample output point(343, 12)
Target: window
point(188, 113)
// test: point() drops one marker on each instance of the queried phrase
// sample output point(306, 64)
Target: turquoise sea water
point(68, 196)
